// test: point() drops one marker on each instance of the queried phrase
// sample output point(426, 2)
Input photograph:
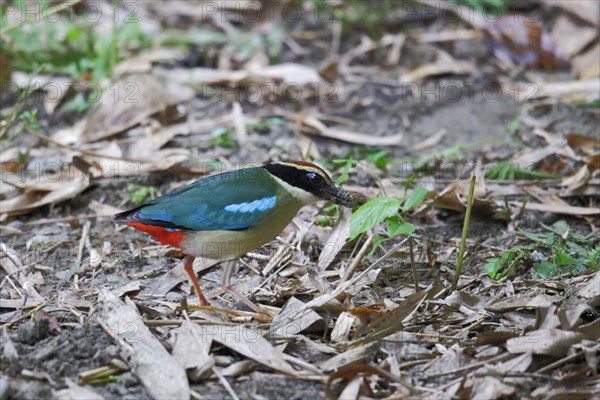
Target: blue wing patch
point(257, 205)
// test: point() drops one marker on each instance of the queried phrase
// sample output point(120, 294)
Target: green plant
point(265, 123)
point(68, 46)
point(389, 209)
point(513, 126)
point(357, 14)
point(491, 8)
point(592, 260)
point(142, 194)
point(222, 137)
point(552, 253)
point(508, 171)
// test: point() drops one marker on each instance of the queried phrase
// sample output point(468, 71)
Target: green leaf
point(345, 173)
point(415, 198)
point(562, 258)
point(379, 158)
point(495, 266)
point(323, 222)
point(492, 266)
point(371, 213)
point(508, 171)
point(397, 227)
point(560, 227)
point(592, 258)
point(513, 126)
point(141, 195)
point(546, 268)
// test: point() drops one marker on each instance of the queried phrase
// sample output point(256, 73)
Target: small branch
point(352, 268)
point(412, 264)
point(465, 231)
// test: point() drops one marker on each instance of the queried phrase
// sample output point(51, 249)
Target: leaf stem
point(463, 240)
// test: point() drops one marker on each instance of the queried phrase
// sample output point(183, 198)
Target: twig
point(10, 262)
point(465, 231)
point(344, 286)
point(412, 263)
point(352, 268)
point(84, 235)
point(558, 363)
point(281, 253)
point(225, 384)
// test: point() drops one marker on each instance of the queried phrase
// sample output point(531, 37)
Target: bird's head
point(309, 182)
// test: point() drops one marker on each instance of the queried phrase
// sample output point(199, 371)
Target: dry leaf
point(576, 181)
point(249, 343)
point(44, 190)
point(393, 321)
point(134, 98)
point(348, 136)
point(552, 342)
point(191, 350)
point(444, 64)
point(591, 289)
point(588, 145)
point(55, 87)
point(336, 240)
point(593, 161)
point(513, 303)
point(572, 36)
point(342, 327)
point(300, 81)
point(156, 369)
point(350, 356)
point(586, 65)
point(588, 11)
point(559, 209)
point(350, 372)
point(290, 322)
point(524, 42)
point(487, 387)
point(453, 358)
point(454, 197)
point(76, 392)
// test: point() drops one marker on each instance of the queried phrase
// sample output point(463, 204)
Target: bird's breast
point(229, 244)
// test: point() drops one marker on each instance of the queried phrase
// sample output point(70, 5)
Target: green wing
point(233, 200)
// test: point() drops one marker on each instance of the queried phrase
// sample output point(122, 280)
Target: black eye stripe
point(309, 181)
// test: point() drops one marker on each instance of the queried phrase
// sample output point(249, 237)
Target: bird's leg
point(226, 285)
point(188, 265)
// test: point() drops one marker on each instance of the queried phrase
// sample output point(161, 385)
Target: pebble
point(174, 297)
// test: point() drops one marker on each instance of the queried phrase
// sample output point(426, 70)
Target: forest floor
point(427, 103)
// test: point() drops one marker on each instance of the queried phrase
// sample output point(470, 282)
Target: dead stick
point(357, 259)
point(560, 362)
point(465, 231)
point(412, 264)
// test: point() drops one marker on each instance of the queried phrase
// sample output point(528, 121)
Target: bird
point(226, 215)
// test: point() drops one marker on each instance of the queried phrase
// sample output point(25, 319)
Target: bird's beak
point(339, 196)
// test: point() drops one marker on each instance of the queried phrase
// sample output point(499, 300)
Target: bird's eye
point(314, 177)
